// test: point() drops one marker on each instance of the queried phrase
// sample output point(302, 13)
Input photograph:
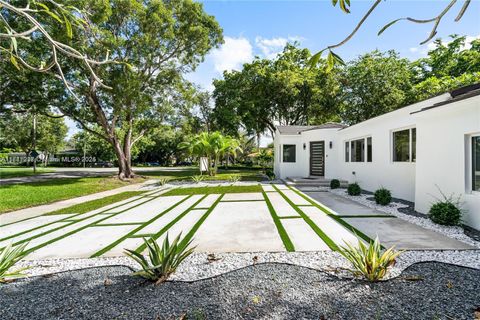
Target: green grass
point(14, 172)
point(212, 190)
point(18, 196)
point(187, 173)
point(97, 203)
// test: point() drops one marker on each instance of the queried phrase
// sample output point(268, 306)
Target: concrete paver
point(302, 235)
point(239, 227)
point(282, 208)
point(243, 196)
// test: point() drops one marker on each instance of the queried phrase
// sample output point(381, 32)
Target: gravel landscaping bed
point(202, 265)
point(263, 291)
point(455, 232)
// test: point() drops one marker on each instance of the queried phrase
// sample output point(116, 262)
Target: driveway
point(278, 219)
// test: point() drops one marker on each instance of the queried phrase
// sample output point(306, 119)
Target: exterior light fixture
point(304, 146)
point(331, 144)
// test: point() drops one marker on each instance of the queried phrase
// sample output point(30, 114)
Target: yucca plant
point(163, 181)
point(162, 261)
point(369, 261)
point(234, 178)
point(198, 178)
point(9, 256)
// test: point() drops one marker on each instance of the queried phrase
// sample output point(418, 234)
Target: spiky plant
point(198, 178)
point(9, 256)
point(163, 181)
point(162, 261)
point(234, 178)
point(369, 261)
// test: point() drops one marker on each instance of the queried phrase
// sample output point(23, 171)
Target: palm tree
point(213, 146)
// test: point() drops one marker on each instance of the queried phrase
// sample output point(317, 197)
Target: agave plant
point(369, 261)
point(162, 261)
point(163, 181)
point(234, 178)
point(198, 178)
point(9, 256)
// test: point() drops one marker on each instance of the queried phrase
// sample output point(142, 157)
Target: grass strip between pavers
point(287, 242)
point(171, 223)
point(329, 242)
point(76, 230)
point(243, 200)
point(143, 225)
point(66, 219)
point(354, 230)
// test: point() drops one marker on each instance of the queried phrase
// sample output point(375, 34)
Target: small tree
point(213, 146)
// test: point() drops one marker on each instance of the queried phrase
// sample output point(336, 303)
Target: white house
point(414, 151)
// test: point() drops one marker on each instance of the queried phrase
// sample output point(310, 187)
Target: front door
point(317, 158)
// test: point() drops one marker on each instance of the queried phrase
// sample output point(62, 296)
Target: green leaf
point(14, 61)
point(68, 25)
point(388, 25)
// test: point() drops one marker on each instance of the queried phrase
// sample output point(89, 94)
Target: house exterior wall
point(444, 156)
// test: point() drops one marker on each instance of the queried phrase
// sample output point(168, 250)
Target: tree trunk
point(124, 163)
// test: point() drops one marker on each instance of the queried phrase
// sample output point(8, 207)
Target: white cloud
point(271, 47)
point(423, 50)
point(232, 54)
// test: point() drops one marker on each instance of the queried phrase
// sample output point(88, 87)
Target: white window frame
point(365, 151)
point(410, 144)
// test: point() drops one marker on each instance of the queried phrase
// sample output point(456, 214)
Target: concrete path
point(390, 230)
point(278, 219)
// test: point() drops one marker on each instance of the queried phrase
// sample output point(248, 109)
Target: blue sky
point(261, 28)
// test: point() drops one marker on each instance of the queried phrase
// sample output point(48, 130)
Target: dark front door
point(317, 158)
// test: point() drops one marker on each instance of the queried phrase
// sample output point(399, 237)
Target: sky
point(262, 28)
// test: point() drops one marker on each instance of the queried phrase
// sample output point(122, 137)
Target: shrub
point(370, 262)
point(383, 196)
point(334, 184)
point(270, 174)
point(198, 178)
point(445, 213)
point(9, 256)
point(163, 261)
point(354, 189)
point(234, 178)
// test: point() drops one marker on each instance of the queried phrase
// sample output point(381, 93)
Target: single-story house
point(415, 151)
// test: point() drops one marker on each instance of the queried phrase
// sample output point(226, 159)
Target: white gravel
point(454, 232)
point(198, 266)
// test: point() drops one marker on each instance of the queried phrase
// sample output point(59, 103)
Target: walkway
point(278, 219)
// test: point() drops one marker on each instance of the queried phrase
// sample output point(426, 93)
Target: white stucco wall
point(444, 156)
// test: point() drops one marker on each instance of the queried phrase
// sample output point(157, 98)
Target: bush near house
point(445, 213)
point(334, 184)
point(383, 196)
point(354, 189)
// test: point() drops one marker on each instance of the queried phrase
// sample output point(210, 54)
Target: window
point(347, 151)
point(358, 150)
point(404, 145)
point(476, 163)
point(369, 149)
point(289, 152)
point(355, 150)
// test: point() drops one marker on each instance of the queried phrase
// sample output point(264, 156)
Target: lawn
point(97, 203)
point(14, 172)
point(187, 173)
point(213, 190)
point(18, 196)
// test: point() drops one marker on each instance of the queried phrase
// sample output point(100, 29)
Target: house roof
point(456, 95)
point(292, 130)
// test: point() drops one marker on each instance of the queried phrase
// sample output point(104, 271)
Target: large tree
point(155, 43)
point(375, 83)
point(282, 91)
